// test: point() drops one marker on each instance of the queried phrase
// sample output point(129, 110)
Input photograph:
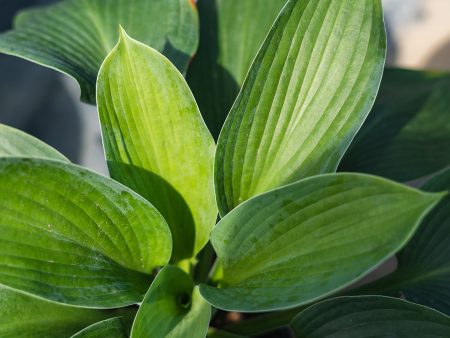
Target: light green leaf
point(15, 143)
point(109, 328)
point(231, 32)
point(306, 95)
point(408, 131)
point(368, 317)
point(301, 242)
point(423, 274)
point(172, 308)
point(74, 36)
point(25, 316)
point(156, 142)
point(72, 236)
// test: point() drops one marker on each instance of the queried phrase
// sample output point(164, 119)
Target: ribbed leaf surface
point(308, 92)
point(24, 316)
point(368, 317)
point(423, 275)
point(72, 236)
point(15, 143)
point(156, 142)
point(172, 308)
point(231, 32)
point(298, 243)
point(109, 328)
point(408, 131)
point(74, 36)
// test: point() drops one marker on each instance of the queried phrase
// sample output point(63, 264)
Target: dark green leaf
point(109, 328)
point(74, 36)
point(23, 316)
point(408, 131)
point(307, 93)
point(172, 308)
point(72, 236)
point(156, 142)
point(423, 274)
point(369, 317)
point(231, 32)
point(15, 143)
point(301, 242)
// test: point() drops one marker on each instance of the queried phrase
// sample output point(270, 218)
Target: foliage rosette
point(142, 253)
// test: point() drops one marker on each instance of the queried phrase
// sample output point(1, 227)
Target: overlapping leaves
point(74, 36)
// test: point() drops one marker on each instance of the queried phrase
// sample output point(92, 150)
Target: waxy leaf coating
point(308, 91)
point(108, 328)
point(156, 141)
point(74, 36)
point(72, 236)
point(368, 317)
point(301, 242)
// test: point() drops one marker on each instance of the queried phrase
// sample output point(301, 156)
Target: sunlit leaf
point(231, 32)
point(24, 316)
point(408, 131)
point(307, 94)
point(423, 274)
point(172, 308)
point(368, 317)
point(72, 236)
point(109, 328)
point(156, 142)
point(306, 240)
point(15, 143)
point(74, 36)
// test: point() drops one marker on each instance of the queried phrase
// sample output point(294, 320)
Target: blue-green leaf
point(368, 317)
point(301, 242)
point(74, 36)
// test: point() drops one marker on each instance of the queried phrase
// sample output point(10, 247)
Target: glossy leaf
point(74, 36)
point(72, 236)
point(368, 317)
point(24, 316)
point(301, 242)
point(306, 95)
point(423, 274)
point(172, 308)
point(408, 131)
point(15, 143)
point(156, 142)
point(110, 328)
point(231, 32)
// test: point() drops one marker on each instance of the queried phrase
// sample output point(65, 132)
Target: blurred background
point(46, 104)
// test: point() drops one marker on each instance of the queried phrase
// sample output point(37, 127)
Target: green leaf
point(423, 273)
point(172, 308)
point(25, 316)
point(156, 142)
point(408, 131)
point(301, 242)
point(72, 236)
point(74, 36)
point(15, 143)
point(368, 317)
point(110, 328)
point(231, 32)
point(306, 95)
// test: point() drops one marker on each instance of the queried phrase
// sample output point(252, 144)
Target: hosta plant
point(195, 232)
